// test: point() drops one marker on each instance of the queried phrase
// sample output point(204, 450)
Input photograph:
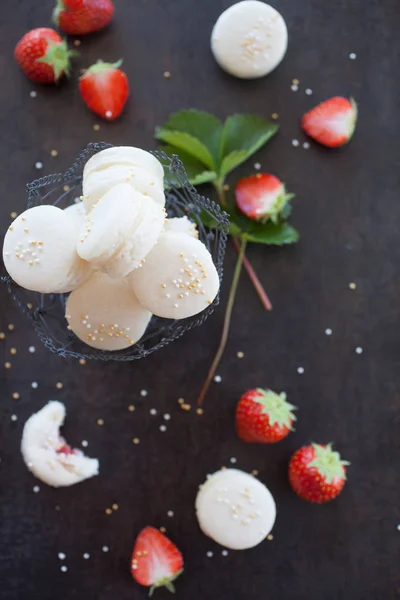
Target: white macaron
point(178, 279)
point(249, 39)
point(104, 313)
point(235, 509)
point(46, 453)
point(40, 254)
point(125, 155)
point(97, 183)
point(182, 225)
point(77, 212)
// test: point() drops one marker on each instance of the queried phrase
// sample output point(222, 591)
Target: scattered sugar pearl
point(170, 513)
point(96, 127)
point(34, 385)
point(352, 56)
point(54, 153)
point(62, 556)
point(328, 331)
point(136, 441)
point(85, 443)
point(210, 554)
point(105, 548)
point(143, 392)
point(167, 417)
point(39, 165)
point(36, 489)
point(59, 385)
point(240, 354)
point(294, 88)
point(352, 285)
point(163, 428)
point(153, 411)
point(233, 460)
point(257, 166)
point(359, 350)
point(13, 215)
point(86, 555)
point(109, 114)
point(306, 145)
point(270, 537)
point(300, 370)
point(224, 553)
point(295, 143)
point(33, 94)
point(398, 527)
point(100, 422)
point(308, 92)
point(14, 418)
point(32, 349)
point(167, 74)
point(218, 379)
point(64, 569)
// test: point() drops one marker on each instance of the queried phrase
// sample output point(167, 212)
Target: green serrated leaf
point(188, 143)
point(195, 169)
point(200, 124)
point(242, 136)
point(273, 234)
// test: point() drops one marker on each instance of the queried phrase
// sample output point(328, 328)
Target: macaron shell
point(98, 183)
point(39, 251)
point(178, 279)
point(235, 509)
point(181, 225)
point(105, 314)
point(77, 213)
point(249, 39)
point(139, 242)
point(108, 224)
point(125, 155)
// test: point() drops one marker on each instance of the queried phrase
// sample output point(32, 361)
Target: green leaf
point(242, 136)
point(201, 125)
point(188, 143)
point(195, 169)
point(274, 234)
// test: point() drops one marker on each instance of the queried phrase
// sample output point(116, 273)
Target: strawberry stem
point(227, 322)
point(262, 294)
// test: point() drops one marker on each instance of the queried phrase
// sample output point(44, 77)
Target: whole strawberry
point(264, 417)
point(317, 473)
point(262, 197)
point(331, 123)
point(78, 17)
point(105, 89)
point(156, 561)
point(43, 55)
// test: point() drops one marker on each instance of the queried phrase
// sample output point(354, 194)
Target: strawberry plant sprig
point(210, 150)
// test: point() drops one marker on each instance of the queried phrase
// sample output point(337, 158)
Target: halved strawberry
point(331, 123)
point(105, 89)
point(156, 561)
point(261, 197)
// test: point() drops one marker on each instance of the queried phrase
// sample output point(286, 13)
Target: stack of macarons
point(115, 251)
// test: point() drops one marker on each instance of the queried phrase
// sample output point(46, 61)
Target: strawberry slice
point(261, 197)
point(156, 561)
point(105, 89)
point(331, 123)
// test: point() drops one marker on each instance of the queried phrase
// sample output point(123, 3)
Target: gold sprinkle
point(163, 530)
point(54, 153)
point(209, 301)
point(77, 42)
point(136, 441)
point(164, 285)
point(2, 336)
point(223, 468)
point(13, 351)
point(274, 116)
point(167, 74)
point(31, 263)
point(186, 406)
point(11, 228)
point(181, 401)
point(199, 411)
point(13, 215)
point(7, 365)
point(15, 395)
point(252, 516)
point(180, 296)
point(115, 507)
point(82, 361)
point(59, 385)
point(108, 511)
point(254, 472)
point(270, 537)
point(240, 354)
point(96, 127)
point(100, 422)
point(26, 230)
point(66, 188)
point(295, 81)
point(131, 408)
point(226, 188)
point(29, 305)
point(10, 327)
point(352, 285)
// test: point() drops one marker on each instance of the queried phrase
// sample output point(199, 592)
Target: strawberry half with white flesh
point(261, 197)
point(332, 123)
point(105, 89)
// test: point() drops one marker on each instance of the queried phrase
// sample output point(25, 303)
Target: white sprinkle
point(210, 554)
point(36, 489)
point(306, 145)
point(176, 305)
point(64, 569)
point(85, 443)
point(257, 166)
point(295, 143)
point(398, 527)
point(109, 114)
point(153, 411)
point(218, 379)
point(163, 428)
point(170, 513)
point(224, 552)
point(33, 94)
point(308, 92)
point(34, 385)
point(328, 331)
point(39, 165)
point(62, 556)
point(294, 88)
point(32, 349)
point(167, 416)
point(57, 507)
point(105, 548)
point(14, 418)
point(359, 350)
point(352, 56)
point(86, 556)
point(233, 459)
point(300, 370)
point(144, 393)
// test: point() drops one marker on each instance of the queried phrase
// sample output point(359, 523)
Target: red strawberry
point(43, 55)
point(156, 561)
point(263, 416)
point(317, 473)
point(78, 17)
point(331, 123)
point(261, 197)
point(105, 89)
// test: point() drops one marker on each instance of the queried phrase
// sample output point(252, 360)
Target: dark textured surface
point(348, 212)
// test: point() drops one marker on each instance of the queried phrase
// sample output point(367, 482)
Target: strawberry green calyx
point(328, 463)
point(58, 9)
point(57, 56)
point(276, 407)
point(277, 208)
point(166, 582)
point(102, 67)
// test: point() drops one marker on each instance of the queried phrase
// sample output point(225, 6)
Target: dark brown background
point(348, 212)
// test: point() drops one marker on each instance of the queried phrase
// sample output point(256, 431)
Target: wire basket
point(47, 311)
